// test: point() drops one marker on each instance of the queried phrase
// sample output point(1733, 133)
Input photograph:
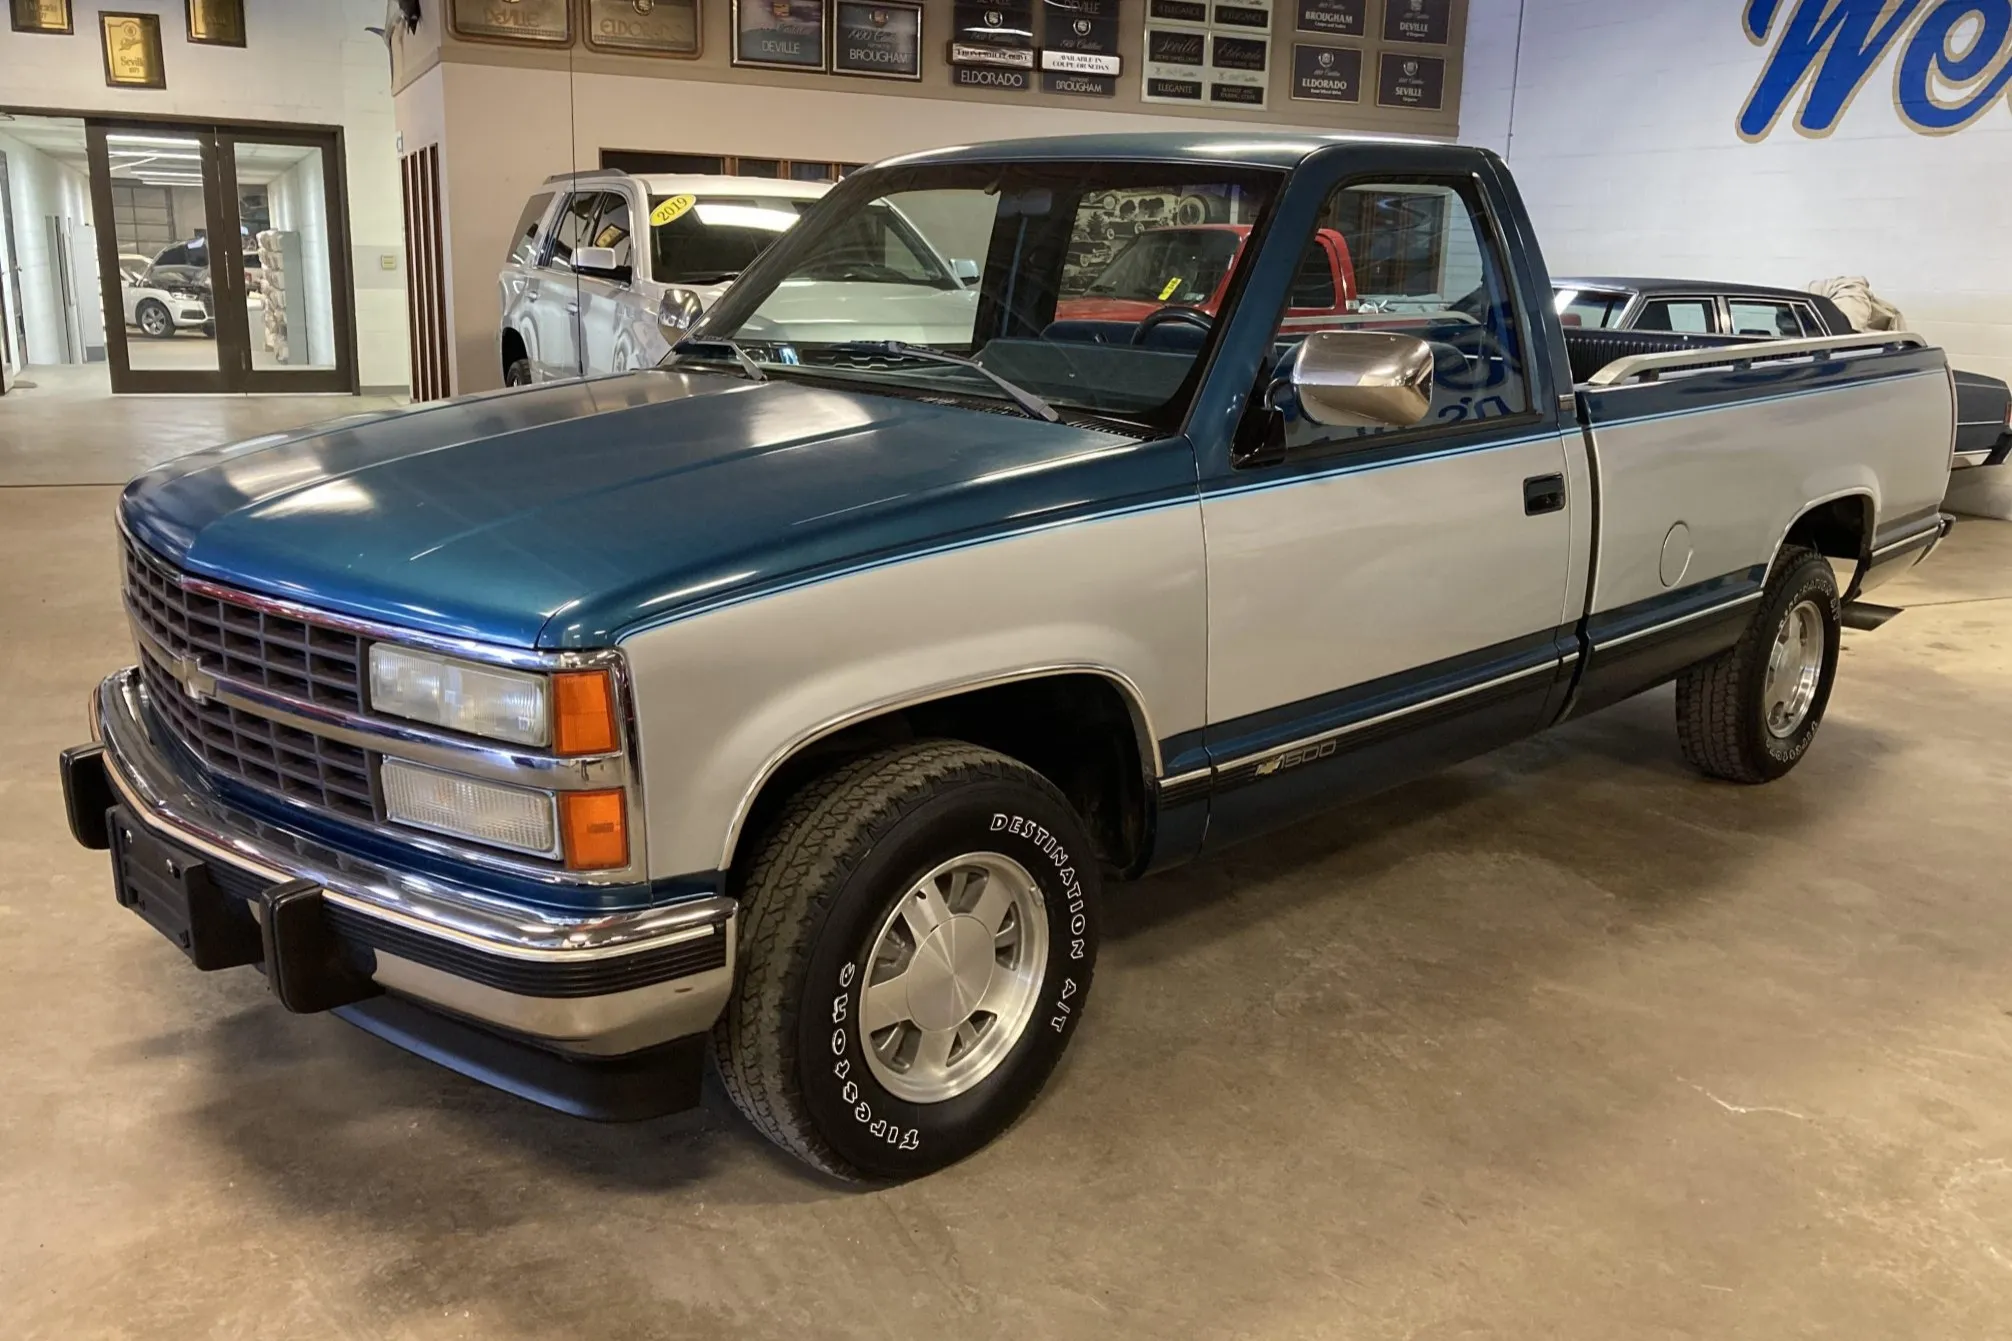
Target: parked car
point(1712, 311)
point(1189, 268)
point(791, 703)
point(160, 308)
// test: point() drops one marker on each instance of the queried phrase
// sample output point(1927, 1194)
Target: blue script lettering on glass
point(1930, 60)
point(1829, 48)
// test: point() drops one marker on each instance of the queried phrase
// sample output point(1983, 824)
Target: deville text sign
point(1952, 67)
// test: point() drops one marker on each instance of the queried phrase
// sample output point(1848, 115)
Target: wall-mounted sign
point(1418, 21)
point(1080, 37)
point(1079, 86)
point(994, 23)
point(132, 50)
point(1191, 13)
point(1326, 74)
point(41, 16)
point(779, 34)
point(991, 76)
point(1955, 62)
point(645, 27)
point(216, 23)
point(1404, 80)
point(1333, 18)
point(1175, 65)
point(544, 21)
point(880, 41)
point(1239, 69)
point(1253, 15)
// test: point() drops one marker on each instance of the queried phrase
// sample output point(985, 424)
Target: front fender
point(725, 696)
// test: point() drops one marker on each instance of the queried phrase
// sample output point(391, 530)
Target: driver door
point(605, 303)
point(555, 308)
point(1383, 602)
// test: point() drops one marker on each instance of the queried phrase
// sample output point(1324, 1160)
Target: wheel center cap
point(951, 970)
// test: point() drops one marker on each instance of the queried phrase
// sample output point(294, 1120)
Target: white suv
point(580, 297)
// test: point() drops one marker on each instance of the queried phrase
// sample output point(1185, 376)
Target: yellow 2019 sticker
point(672, 209)
point(1173, 286)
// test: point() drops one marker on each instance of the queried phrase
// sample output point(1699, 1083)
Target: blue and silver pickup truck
point(791, 703)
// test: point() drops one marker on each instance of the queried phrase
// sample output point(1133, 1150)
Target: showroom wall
point(41, 188)
point(304, 61)
point(505, 117)
point(1664, 139)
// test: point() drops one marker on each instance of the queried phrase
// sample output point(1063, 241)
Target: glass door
point(154, 195)
point(226, 268)
point(291, 259)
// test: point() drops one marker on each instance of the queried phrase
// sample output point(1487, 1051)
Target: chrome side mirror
point(599, 263)
point(678, 312)
point(1362, 379)
point(965, 269)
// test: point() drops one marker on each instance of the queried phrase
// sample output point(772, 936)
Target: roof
point(1637, 284)
point(677, 184)
point(1258, 149)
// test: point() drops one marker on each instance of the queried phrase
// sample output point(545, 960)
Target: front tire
point(517, 372)
point(1750, 713)
point(917, 935)
point(153, 320)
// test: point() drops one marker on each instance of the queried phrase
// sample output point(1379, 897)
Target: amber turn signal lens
point(583, 712)
point(595, 829)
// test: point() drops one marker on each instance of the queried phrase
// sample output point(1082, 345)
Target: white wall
point(1625, 143)
point(298, 200)
point(41, 187)
point(305, 62)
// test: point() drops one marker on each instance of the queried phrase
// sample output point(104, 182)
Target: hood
point(561, 515)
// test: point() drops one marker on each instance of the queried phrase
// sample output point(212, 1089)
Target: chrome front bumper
point(591, 984)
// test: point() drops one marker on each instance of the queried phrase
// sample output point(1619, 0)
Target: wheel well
point(1840, 529)
point(513, 349)
point(1078, 730)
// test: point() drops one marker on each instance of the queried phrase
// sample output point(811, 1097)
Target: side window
point(1426, 264)
point(1812, 322)
point(574, 227)
point(612, 229)
point(1755, 317)
point(524, 242)
point(1688, 316)
point(1313, 285)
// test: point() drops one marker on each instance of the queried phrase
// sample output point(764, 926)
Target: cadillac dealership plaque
point(1254, 15)
point(1326, 74)
point(1176, 60)
point(1418, 21)
point(216, 23)
point(881, 41)
point(544, 21)
point(648, 27)
point(779, 34)
point(132, 49)
point(992, 32)
point(41, 16)
point(1411, 81)
point(1239, 69)
point(1079, 47)
point(1194, 13)
point(1334, 18)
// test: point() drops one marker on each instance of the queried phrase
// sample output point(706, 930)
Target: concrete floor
point(1566, 1043)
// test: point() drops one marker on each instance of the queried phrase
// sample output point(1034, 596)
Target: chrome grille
point(303, 661)
point(288, 656)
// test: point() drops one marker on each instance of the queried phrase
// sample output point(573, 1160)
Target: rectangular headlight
point(459, 695)
point(512, 817)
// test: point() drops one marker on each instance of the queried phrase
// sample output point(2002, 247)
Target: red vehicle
point(1190, 267)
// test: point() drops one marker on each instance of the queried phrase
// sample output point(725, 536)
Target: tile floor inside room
point(1566, 1043)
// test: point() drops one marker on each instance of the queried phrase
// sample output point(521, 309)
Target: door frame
point(234, 373)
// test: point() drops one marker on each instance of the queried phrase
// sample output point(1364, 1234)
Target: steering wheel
point(1171, 316)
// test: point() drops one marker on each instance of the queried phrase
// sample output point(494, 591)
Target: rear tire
point(917, 934)
point(1750, 713)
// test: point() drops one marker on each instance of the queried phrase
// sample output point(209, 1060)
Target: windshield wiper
point(901, 349)
point(697, 348)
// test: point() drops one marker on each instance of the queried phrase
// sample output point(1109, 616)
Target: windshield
point(709, 240)
point(1591, 307)
point(1170, 265)
point(975, 259)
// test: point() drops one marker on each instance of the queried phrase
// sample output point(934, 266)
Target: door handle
point(572, 309)
point(1543, 493)
point(531, 288)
